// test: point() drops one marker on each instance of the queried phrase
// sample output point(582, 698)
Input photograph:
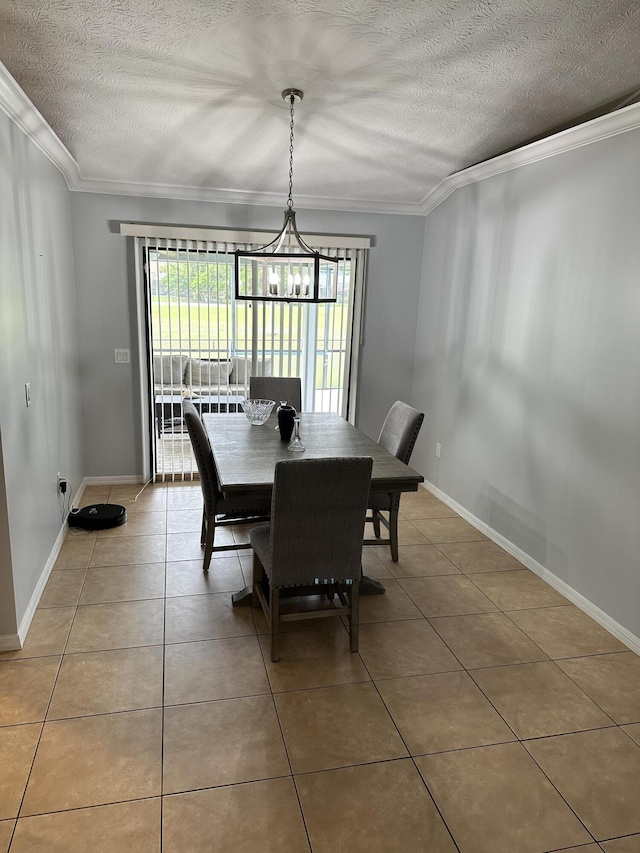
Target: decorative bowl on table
point(258, 411)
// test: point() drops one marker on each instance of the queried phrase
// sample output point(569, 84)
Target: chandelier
point(287, 269)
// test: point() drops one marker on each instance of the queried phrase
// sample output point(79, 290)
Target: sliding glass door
point(205, 345)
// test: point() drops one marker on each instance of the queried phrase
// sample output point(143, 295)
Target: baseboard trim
point(607, 622)
point(18, 639)
point(126, 480)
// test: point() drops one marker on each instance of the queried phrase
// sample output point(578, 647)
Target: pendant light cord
point(290, 199)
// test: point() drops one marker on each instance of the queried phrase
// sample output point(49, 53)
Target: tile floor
point(482, 713)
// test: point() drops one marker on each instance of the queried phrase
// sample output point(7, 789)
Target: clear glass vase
point(296, 445)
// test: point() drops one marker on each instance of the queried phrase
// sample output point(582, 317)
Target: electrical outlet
point(438, 449)
point(62, 484)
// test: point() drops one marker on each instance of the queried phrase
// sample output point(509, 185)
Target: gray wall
point(106, 309)
point(528, 363)
point(38, 344)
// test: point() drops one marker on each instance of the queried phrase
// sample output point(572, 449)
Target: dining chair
point(313, 544)
point(277, 388)
point(397, 436)
point(235, 509)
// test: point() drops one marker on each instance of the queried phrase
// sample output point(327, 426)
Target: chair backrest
point(318, 512)
point(400, 431)
point(204, 456)
point(277, 388)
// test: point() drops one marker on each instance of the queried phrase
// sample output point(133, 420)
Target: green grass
point(209, 329)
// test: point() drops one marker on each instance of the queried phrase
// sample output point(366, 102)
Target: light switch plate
point(122, 356)
point(27, 393)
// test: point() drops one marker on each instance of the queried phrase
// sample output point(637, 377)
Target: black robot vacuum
point(98, 516)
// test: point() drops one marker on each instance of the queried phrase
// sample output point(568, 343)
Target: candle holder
point(296, 445)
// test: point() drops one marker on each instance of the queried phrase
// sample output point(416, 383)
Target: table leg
point(368, 586)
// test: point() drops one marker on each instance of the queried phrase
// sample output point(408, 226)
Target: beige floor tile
point(538, 700)
point(439, 530)
point(90, 761)
point(97, 493)
point(472, 557)
point(415, 505)
point(184, 497)
point(133, 826)
point(186, 546)
point(394, 604)
point(214, 669)
point(76, 552)
point(449, 595)
point(185, 520)
point(206, 617)
point(152, 499)
point(25, 688)
point(598, 774)
point(337, 726)
point(517, 590)
point(409, 647)
point(318, 658)
point(47, 635)
point(613, 681)
point(138, 524)
point(98, 627)
point(128, 551)
point(630, 844)
point(63, 588)
point(486, 639)
point(123, 583)
point(493, 799)
point(106, 682)
point(372, 565)
point(633, 731)
point(435, 713)
point(205, 821)
point(415, 561)
point(6, 831)
point(222, 743)
point(187, 578)
point(381, 806)
point(408, 533)
point(564, 632)
point(17, 748)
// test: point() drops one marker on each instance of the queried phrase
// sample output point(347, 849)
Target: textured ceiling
point(398, 93)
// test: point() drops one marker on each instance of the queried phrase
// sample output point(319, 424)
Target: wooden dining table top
point(246, 455)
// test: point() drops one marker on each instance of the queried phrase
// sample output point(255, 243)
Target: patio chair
point(277, 388)
point(398, 436)
point(314, 542)
point(236, 510)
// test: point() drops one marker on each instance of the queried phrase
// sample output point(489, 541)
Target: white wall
point(38, 344)
point(528, 363)
point(106, 309)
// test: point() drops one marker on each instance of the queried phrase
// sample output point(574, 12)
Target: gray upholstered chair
point(314, 541)
point(398, 436)
point(243, 508)
point(277, 388)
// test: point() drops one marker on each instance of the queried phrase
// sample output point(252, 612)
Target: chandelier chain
point(290, 199)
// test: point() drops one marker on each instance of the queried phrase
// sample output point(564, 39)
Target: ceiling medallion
point(287, 269)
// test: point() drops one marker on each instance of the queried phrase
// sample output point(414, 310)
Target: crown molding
point(620, 121)
point(31, 122)
point(229, 196)
point(15, 103)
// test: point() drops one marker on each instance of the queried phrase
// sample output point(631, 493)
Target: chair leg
point(203, 532)
point(258, 573)
point(354, 616)
point(274, 622)
point(208, 544)
point(376, 523)
point(393, 533)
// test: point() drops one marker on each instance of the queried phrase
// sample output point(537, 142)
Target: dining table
point(246, 455)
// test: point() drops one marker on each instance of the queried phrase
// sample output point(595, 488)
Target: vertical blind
point(204, 345)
